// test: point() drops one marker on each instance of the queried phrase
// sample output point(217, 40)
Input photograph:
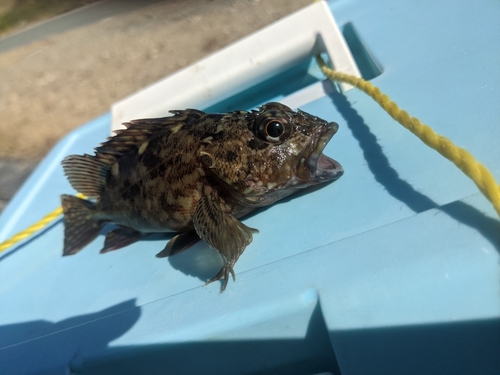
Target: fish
point(194, 174)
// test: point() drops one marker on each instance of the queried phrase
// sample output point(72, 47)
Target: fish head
point(279, 152)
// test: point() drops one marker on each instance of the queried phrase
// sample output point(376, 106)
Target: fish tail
point(80, 228)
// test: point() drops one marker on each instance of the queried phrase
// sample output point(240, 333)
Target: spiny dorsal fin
point(87, 174)
point(139, 131)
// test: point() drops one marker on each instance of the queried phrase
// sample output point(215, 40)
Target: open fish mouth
point(322, 167)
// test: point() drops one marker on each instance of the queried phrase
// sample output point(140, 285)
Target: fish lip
point(322, 167)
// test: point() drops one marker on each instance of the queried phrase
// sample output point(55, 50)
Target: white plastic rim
point(243, 64)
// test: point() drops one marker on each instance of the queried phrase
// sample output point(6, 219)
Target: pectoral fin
point(214, 223)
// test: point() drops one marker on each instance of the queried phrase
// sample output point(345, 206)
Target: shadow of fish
point(196, 174)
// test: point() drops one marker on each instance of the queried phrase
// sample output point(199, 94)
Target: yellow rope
point(33, 228)
point(460, 157)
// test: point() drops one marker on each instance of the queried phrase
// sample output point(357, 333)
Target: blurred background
point(64, 62)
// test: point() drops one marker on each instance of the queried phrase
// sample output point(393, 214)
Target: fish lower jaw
point(320, 166)
point(315, 171)
point(327, 169)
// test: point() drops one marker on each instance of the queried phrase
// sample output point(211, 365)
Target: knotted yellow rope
point(33, 228)
point(460, 157)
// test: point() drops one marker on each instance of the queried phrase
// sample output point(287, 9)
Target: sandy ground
point(13, 172)
point(53, 85)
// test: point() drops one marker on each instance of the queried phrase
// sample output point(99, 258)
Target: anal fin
point(120, 237)
point(179, 243)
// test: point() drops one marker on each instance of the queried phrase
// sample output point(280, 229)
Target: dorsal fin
point(87, 174)
point(139, 131)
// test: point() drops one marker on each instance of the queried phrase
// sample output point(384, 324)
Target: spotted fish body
point(195, 174)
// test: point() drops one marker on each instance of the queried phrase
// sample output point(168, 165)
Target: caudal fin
point(79, 226)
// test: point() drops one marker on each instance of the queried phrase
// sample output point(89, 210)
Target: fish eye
point(274, 130)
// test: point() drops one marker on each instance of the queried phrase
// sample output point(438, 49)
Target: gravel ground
point(53, 85)
point(12, 175)
point(61, 81)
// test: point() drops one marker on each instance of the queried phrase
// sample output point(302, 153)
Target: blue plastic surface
point(393, 269)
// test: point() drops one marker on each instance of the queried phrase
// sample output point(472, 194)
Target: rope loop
point(477, 172)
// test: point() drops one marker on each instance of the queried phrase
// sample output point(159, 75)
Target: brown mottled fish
point(195, 174)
